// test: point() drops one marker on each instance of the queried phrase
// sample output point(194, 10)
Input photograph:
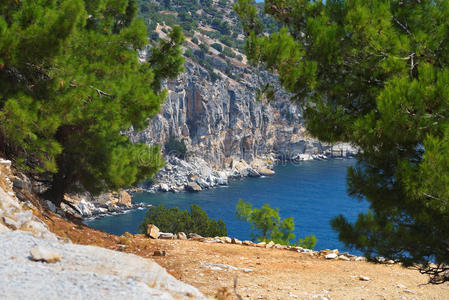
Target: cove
point(312, 192)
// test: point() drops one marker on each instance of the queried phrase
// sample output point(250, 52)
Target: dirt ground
point(263, 273)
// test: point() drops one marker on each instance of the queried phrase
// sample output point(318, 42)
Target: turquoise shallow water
point(312, 192)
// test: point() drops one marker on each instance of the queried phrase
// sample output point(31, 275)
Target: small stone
point(45, 255)
point(195, 236)
point(270, 244)
point(343, 257)
point(331, 256)
point(236, 241)
point(193, 187)
point(247, 243)
point(364, 278)
point(261, 244)
point(265, 172)
point(164, 187)
point(51, 206)
point(152, 231)
point(166, 236)
point(390, 262)
point(360, 258)
point(226, 239)
point(159, 253)
point(181, 236)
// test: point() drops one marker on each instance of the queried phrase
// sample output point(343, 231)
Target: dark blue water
point(311, 192)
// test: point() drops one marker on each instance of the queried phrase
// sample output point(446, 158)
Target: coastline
point(241, 171)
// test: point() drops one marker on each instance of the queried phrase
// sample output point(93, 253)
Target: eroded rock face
point(222, 121)
point(226, 129)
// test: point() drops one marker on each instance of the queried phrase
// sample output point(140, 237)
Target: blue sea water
point(312, 192)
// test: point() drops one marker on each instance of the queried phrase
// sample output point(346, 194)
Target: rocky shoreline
point(194, 174)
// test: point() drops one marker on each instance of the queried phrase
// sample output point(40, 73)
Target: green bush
point(267, 225)
point(174, 220)
point(217, 46)
point(175, 147)
point(204, 47)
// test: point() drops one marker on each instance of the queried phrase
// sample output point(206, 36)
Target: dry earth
point(263, 273)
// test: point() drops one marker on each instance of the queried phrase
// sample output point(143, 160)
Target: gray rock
point(364, 278)
point(51, 206)
point(164, 187)
point(153, 231)
point(181, 236)
point(195, 236)
point(253, 173)
point(45, 255)
point(166, 236)
point(85, 272)
point(193, 187)
point(331, 256)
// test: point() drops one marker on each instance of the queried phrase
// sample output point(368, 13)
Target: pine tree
point(375, 74)
point(71, 84)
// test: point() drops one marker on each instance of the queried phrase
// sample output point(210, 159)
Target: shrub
point(174, 220)
point(267, 225)
point(217, 46)
point(175, 147)
point(204, 47)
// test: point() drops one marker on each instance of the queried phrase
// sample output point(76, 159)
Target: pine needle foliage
point(71, 83)
point(375, 74)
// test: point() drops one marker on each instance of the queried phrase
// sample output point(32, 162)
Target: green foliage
point(217, 47)
point(269, 226)
point(204, 47)
point(174, 220)
point(71, 83)
point(175, 147)
point(375, 74)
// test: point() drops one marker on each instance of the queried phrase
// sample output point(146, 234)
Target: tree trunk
point(58, 187)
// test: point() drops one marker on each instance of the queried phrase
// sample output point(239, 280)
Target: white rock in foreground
point(45, 255)
point(84, 272)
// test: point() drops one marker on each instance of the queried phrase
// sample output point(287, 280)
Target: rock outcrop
point(35, 263)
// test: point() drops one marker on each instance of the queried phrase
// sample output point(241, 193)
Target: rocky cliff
point(212, 106)
point(222, 123)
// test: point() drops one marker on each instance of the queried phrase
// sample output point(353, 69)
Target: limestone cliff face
point(222, 121)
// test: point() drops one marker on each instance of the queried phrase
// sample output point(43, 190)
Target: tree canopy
point(174, 220)
point(268, 225)
point(71, 83)
point(375, 74)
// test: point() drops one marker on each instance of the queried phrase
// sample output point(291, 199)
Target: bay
point(312, 192)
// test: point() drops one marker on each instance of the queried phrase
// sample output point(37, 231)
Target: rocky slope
point(35, 263)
